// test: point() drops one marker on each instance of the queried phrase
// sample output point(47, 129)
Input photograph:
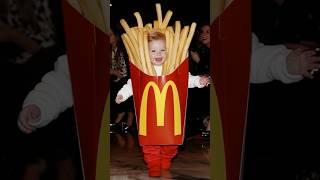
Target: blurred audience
point(25, 28)
point(198, 99)
point(119, 75)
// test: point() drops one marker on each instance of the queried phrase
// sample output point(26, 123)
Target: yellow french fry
point(169, 28)
point(155, 24)
point(165, 64)
point(133, 50)
point(187, 44)
point(134, 32)
point(131, 34)
point(167, 35)
point(126, 45)
point(148, 25)
point(125, 25)
point(159, 13)
point(139, 19)
point(141, 52)
point(175, 46)
point(128, 30)
point(171, 44)
point(166, 20)
point(169, 52)
point(183, 38)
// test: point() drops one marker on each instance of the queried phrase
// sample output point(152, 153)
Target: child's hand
point(119, 99)
point(204, 80)
point(300, 62)
point(29, 115)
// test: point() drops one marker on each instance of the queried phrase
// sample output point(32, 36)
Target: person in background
point(199, 101)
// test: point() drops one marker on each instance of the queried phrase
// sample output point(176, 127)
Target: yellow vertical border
point(217, 149)
point(103, 155)
point(216, 8)
point(98, 13)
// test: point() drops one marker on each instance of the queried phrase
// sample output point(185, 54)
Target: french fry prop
point(160, 100)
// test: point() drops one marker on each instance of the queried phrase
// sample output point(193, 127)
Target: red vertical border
point(88, 57)
point(230, 67)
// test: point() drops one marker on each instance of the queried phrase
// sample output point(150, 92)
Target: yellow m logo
point(160, 99)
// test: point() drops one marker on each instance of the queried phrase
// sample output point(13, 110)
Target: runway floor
point(192, 161)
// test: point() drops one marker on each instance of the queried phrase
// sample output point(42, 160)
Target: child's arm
point(198, 81)
point(125, 92)
point(51, 96)
point(276, 62)
point(268, 63)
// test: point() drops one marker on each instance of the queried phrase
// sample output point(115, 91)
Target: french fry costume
point(160, 101)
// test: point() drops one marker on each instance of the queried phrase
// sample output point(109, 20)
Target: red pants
point(159, 156)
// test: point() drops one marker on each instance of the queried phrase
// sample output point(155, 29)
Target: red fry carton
point(160, 105)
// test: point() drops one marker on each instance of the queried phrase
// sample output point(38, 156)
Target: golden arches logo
point(160, 99)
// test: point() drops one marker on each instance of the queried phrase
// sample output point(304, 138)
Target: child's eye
point(163, 50)
point(153, 50)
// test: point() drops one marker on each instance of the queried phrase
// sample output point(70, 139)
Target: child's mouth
point(158, 59)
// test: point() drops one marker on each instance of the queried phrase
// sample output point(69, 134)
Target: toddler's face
point(157, 52)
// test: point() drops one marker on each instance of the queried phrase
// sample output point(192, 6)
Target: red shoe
point(154, 168)
point(165, 163)
point(155, 172)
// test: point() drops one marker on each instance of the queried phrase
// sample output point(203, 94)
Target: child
point(158, 157)
point(48, 99)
